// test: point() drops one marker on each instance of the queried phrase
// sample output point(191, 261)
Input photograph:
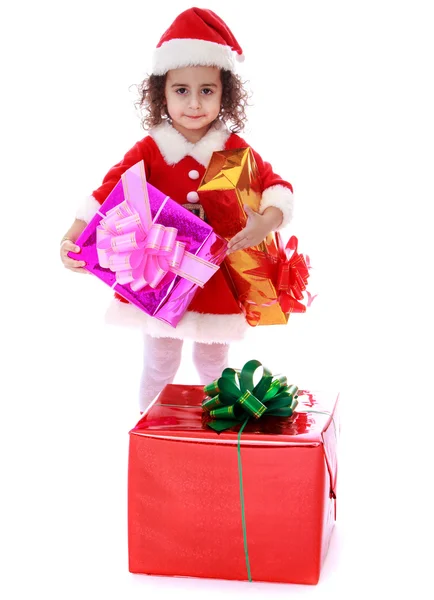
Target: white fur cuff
point(87, 209)
point(282, 198)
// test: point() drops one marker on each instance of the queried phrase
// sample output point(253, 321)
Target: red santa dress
point(176, 166)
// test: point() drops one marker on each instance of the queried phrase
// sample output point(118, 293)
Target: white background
point(342, 106)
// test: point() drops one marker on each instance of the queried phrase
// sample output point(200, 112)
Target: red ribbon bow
point(292, 276)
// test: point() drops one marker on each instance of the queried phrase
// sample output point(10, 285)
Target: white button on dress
point(193, 197)
point(194, 174)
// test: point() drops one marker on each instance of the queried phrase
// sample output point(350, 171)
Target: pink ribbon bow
point(140, 251)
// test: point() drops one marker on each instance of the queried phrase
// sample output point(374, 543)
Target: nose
point(194, 101)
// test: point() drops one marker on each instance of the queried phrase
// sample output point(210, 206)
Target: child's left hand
point(257, 228)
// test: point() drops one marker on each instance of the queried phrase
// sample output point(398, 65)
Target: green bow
point(233, 397)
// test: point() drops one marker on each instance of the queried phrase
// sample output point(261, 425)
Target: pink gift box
point(201, 249)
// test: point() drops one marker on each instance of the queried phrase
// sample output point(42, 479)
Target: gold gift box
point(231, 182)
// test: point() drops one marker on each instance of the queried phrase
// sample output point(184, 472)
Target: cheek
point(172, 103)
point(218, 99)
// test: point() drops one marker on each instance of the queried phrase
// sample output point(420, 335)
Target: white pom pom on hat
point(196, 37)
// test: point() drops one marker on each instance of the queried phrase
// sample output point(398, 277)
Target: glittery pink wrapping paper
point(170, 300)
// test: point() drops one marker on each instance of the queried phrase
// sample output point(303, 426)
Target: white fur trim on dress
point(180, 52)
point(174, 147)
point(203, 328)
point(213, 141)
point(282, 198)
point(88, 209)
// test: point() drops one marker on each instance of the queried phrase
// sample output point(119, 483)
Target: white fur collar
point(174, 147)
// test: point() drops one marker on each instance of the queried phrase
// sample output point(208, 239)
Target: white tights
point(162, 357)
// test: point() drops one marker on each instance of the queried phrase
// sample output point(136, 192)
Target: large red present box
point(184, 507)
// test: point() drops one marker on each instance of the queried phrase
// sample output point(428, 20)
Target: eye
point(207, 91)
point(182, 91)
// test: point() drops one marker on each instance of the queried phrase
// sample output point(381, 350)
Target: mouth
point(194, 117)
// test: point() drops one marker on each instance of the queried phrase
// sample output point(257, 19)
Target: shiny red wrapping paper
point(184, 511)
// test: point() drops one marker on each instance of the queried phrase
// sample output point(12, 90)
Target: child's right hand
point(70, 263)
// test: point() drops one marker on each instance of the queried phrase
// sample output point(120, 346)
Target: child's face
point(193, 98)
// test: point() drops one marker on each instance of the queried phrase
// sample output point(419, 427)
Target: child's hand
point(70, 263)
point(256, 230)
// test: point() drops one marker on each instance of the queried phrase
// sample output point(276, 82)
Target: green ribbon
point(233, 399)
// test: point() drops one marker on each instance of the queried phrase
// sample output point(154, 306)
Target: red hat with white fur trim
point(196, 37)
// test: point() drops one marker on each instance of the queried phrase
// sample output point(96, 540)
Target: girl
point(190, 96)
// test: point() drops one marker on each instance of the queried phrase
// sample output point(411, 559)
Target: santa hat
point(196, 37)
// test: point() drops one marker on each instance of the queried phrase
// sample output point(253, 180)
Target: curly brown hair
point(233, 105)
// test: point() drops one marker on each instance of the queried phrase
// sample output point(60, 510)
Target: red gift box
point(184, 508)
